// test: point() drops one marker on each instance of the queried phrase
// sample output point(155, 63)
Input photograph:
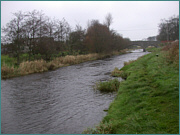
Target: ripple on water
point(58, 102)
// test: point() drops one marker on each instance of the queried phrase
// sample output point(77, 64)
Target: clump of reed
point(7, 71)
point(116, 72)
point(70, 59)
point(55, 63)
point(87, 57)
point(129, 62)
point(119, 73)
point(102, 128)
point(33, 67)
point(108, 86)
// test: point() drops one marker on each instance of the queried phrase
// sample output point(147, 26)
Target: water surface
point(61, 101)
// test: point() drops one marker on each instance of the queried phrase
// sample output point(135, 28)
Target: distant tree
point(118, 42)
point(153, 38)
point(46, 47)
point(42, 25)
point(32, 28)
point(61, 34)
point(98, 37)
point(126, 42)
point(108, 20)
point(14, 33)
point(76, 39)
point(50, 28)
point(61, 30)
point(169, 29)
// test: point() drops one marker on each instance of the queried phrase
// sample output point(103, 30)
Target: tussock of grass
point(33, 67)
point(148, 101)
point(108, 86)
point(6, 71)
point(129, 62)
point(119, 73)
point(115, 72)
point(102, 128)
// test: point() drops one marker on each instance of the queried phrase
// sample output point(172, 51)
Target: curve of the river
point(58, 102)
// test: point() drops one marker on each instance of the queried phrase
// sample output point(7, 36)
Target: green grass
point(148, 101)
point(108, 86)
point(9, 61)
point(151, 49)
point(10, 68)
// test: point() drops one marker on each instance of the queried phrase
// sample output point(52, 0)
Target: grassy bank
point(9, 67)
point(108, 86)
point(148, 100)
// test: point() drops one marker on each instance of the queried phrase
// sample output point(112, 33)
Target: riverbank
point(9, 69)
point(148, 100)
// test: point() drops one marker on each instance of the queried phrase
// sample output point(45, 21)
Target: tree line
point(35, 33)
point(169, 29)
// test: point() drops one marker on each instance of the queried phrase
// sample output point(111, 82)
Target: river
point(61, 101)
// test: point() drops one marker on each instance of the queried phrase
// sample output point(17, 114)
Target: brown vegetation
point(129, 62)
point(172, 53)
point(38, 66)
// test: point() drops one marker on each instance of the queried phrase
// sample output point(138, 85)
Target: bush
point(172, 53)
point(108, 86)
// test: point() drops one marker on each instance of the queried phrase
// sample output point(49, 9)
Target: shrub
point(108, 86)
point(172, 51)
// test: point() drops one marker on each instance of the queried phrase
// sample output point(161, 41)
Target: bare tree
point(32, 28)
point(60, 30)
point(14, 33)
point(108, 20)
point(169, 29)
point(98, 37)
point(76, 39)
point(42, 29)
point(50, 26)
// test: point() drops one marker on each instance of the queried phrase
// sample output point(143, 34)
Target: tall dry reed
point(172, 50)
point(33, 67)
point(37, 66)
point(7, 71)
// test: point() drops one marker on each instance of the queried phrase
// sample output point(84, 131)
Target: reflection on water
point(58, 102)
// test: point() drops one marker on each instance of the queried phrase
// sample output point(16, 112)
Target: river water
point(61, 101)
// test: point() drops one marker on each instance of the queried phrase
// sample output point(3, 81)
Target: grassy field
point(148, 100)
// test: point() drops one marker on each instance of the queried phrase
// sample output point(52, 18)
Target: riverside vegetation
point(108, 86)
point(9, 68)
point(147, 101)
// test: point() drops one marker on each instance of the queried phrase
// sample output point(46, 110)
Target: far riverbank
point(8, 70)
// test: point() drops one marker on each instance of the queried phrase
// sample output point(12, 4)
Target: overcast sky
point(133, 19)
